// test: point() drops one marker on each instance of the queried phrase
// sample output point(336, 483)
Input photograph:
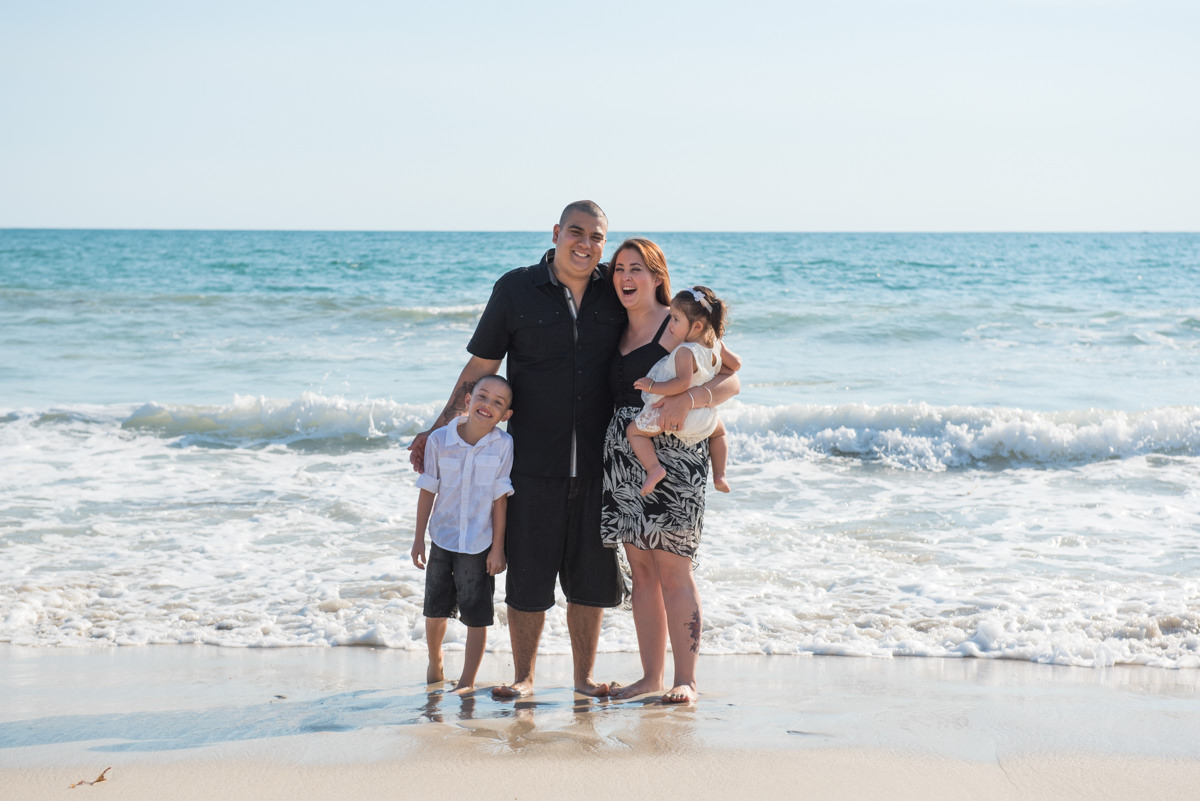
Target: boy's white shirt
point(467, 479)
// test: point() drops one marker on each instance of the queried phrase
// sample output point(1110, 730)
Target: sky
point(860, 115)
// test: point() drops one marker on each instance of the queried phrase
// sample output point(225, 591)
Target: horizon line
point(619, 230)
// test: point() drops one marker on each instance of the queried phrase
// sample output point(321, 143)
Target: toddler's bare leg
point(643, 449)
point(718, 451)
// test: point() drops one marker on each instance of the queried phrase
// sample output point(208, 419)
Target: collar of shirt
point(455, 439)
point(550, 277)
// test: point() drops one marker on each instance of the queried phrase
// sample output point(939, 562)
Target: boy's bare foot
point(518, 689)
point(720, 483)
point(594, 689)
point(639, 687)
point(681, 694)
point(652, 479)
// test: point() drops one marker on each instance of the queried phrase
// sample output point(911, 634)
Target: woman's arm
point(673, 410)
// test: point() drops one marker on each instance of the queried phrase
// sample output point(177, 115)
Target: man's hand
point(416, 453)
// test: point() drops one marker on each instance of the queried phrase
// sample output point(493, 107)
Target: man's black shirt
point(558, 367)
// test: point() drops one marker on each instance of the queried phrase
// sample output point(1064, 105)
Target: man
point(558, 322)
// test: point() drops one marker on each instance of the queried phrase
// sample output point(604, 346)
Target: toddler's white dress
point(700, 422)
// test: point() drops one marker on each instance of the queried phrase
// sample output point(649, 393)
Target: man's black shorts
point(459, 580)
point(554, 532)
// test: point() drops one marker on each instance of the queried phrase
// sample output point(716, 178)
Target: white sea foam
point(261, 419)
point(924, 437)
point(272, 523)
point(907, 436)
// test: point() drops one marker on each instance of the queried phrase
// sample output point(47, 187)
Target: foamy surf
point(905, 436)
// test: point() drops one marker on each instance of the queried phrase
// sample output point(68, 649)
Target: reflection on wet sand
point(560, 716)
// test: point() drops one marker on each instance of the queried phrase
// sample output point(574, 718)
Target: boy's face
point(490, 403)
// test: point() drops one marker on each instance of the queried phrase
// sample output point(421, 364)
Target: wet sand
point(186, 722)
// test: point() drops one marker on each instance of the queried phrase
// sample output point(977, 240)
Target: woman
point(661, 531)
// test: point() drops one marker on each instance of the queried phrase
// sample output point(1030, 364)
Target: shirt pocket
point(450, 472)
point(543, 334)
point(604, 328)
point(486, 469)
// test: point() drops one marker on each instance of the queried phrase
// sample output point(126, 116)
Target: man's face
point(579, 244)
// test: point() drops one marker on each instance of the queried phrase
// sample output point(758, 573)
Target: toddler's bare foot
point(720, 483)
point(652, 479)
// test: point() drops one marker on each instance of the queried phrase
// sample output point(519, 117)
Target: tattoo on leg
point(694, 627)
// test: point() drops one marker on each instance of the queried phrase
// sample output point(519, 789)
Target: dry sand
point(184, 722)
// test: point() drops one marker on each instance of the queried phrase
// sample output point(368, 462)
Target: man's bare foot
point(639, 687)
point(434, 674)
point(652, 479)
point(681, 694)
point(720, 483)
point(594, 689)
point(518, 689)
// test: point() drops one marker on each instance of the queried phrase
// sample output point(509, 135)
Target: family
point(611, 387)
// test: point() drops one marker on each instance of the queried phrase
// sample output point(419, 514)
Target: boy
point(467, 466)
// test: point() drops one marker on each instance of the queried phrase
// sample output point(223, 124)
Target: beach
point(959, 558)
point(187, 722)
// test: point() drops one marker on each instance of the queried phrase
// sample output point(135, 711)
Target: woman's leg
point(650, 621)
point(681, 599)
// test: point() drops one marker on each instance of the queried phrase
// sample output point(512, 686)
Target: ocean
point(946, 445)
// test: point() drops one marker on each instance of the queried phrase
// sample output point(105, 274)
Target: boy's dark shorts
point(553, 532)
point(459, 580)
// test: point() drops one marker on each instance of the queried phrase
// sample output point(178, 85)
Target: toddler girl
point(697, 322)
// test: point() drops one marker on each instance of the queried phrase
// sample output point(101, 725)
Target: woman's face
point(634, 282)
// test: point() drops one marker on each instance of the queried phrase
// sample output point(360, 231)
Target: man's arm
point(476, 369)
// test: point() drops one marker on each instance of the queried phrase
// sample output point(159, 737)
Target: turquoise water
point(1035, 321)
point(946, 445)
